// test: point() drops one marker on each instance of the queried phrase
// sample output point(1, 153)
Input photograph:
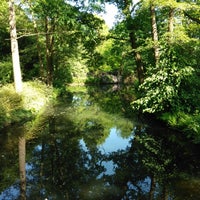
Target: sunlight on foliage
point(22, 107)
point(87, 118)
point(190, 124)
point(160, 90)
point(36, 95)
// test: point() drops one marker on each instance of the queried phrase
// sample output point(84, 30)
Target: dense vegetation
point(154, 46)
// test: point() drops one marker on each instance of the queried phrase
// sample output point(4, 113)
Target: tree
point(14, 48)
point(154, 32)
point(164, 85)
point(62, 32)
point(128, 11)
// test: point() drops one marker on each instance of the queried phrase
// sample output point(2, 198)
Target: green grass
point(17, 108)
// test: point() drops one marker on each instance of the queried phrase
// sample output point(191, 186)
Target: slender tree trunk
point(138, 59)
point(14, 48)
point(38, 43)
point(132, 38)
point(49, 28)
point(41, 173)
point(154, 33)
point(22, 167)
point(42, 161)
point(170, 33)
point(52, 132)
point(171, 24)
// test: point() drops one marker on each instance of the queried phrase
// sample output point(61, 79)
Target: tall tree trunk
point(132, 38)
point(22, 167)
point(38, 43)
point(154, 33)
point(171, 24)
point(138, 59)
point(14, 48)
point(170, 33)
point(49, 28)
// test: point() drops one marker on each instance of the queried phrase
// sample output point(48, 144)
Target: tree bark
point(14, 48)
point(49, 28)
point(38, 43)
point(154, 33)
point(132, 38)
point(164, 193)
point(138, 59)
point(171, 24)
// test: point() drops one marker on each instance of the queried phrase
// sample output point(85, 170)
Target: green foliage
point(83, 49)
point(9, 102)
point(18, 108)
point(36, 95)
point(161, 90)
point(189, 123)
point(6, 74)
point(113, 56)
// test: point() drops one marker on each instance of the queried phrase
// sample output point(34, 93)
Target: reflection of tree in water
point(67, 170)
point(22, 167)
point(62, 167)
point(114, 98)
point(150, 166)
point(9, 158)
point(65, 163)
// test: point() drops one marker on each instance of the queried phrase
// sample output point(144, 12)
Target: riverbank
point(189, 123)
point(19, 108)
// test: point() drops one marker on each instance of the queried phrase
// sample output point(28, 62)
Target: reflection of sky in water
point(113, 143)
point(13, 192)
point(10, 193)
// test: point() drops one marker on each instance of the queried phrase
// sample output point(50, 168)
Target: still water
point(91, 145)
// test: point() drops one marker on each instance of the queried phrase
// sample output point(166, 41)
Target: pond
point(91, 145)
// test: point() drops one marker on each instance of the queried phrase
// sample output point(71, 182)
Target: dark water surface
point(91, 145)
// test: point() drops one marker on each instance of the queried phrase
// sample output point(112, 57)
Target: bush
point(189, 123)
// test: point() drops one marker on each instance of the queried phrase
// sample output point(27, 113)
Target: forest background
point(154, 46)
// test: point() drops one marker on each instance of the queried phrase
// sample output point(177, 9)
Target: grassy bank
point(19, 108)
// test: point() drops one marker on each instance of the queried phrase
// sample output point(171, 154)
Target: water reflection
point(22, 166)
point(86, 147)
point(114, 138)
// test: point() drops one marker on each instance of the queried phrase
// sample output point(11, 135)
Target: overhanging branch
point(192, 18)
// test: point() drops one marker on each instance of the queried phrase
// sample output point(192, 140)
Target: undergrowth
point(18, 108)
